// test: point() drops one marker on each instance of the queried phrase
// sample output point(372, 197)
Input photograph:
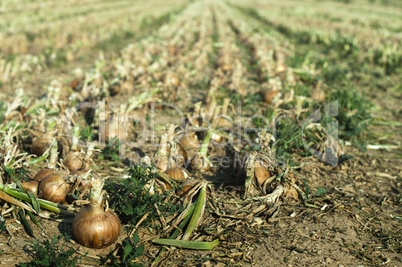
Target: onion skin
point(53, 188)
point(185, 187)
point(183, 153)
point(40, 145)
point(178, 174)
point(261, 174)
point(200, 163)
point(42, 174)
point(269, 96)
point(189, 140)
point(95, 228)
point(161, 186)
point(291, 193)
point(73, 161)
point(31, 186)
point(172, 79)
point(84, 182)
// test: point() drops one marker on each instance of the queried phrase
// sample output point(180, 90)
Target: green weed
point(354, 116)
point(111, 150)
point(2, 226)
point(131, 200)
point(125, 255)
point(86, 134)
point(51, 252)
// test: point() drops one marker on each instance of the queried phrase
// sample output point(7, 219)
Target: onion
point(172, 79)
point(73, 161)
point(54, 188)
point(186, 186)
point(223, 122)
point(127, 87)
point(261, 174)
point(94, 227)
point(291, 193)
point(31, 186)
point(42, 174)
point(115, 127)
point(270, 96)
point(216, 138)
point(84, 182)
point(178, 174)
point(114, 89)
point(162, 163)
point(40, 145)
point(200, 162)
point(76, 85)
point(318, 93)
point(161, 157)
point(183, 153)
point(225, 66)
point(178, 155)
point(189, 140)
point(220, 120)
point(51, 163)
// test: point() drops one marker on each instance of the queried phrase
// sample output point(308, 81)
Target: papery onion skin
point(95, 228)
point(200, 163)
point(84, 182)
point(31, 186)
point(42, 174)
point(40, 145)
point(178, 174)
point(269, 96)
point(291, 193)
point(261, 174)
point(185, 187)
point(181, 158)
point(73, 161)
point(161, 163)
point(189, 141)
point(53, 188)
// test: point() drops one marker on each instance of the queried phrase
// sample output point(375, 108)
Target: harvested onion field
point(208, 133)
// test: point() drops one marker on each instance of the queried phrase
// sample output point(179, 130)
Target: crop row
point(245, 120)
point(368, 43)
point(68, 37)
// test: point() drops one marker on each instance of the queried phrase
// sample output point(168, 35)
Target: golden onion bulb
point(185, 187)
point(40, 145)
point(73, 161)
point(53, 188)
point(31, 186)
point(178, 174)
point(200, 163)
point(95, 228)
point(261, 174)
point(42, 174)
